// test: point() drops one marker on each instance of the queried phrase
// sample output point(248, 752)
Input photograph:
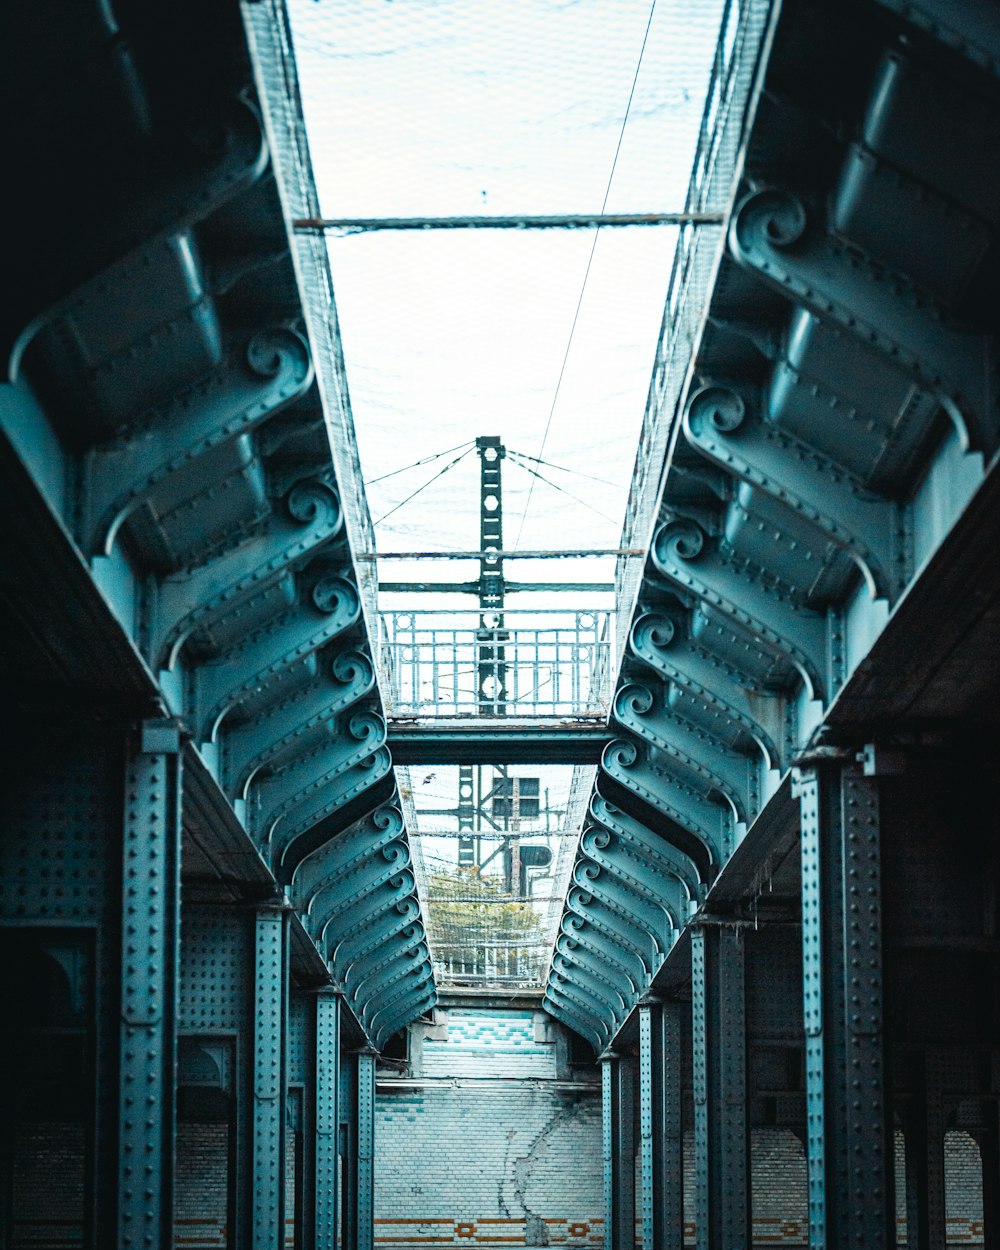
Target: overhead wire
point(590, 261)
point(562, 489)
point(441, 472)
point(563, 468)
point(417, 463)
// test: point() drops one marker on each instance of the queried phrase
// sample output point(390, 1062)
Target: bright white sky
point(469, 107)
point(451, 107)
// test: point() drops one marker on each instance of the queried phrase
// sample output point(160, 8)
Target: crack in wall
point(502, 1207)
point(536, 1231)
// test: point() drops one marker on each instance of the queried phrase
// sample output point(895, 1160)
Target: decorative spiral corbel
point(635, 699)
point(721, 407)
point(336, 595)
point(677, 539)
point(654, 630)
point(767, 220)
point(619, 754)
point(313, 498)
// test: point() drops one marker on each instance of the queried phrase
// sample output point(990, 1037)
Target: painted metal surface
point(150, 955)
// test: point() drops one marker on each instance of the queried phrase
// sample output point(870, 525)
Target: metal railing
point(522, 663)
point(491, 962)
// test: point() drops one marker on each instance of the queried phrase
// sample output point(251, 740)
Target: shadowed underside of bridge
point(783, 910)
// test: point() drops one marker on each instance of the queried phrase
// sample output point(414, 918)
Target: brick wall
point(47, 1189)
point(486, 1142)
point(200, 1197)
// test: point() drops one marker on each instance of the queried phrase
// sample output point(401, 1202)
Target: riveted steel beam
point(722, 1138)
point(594, 1027)
point(641, 709)
point(256, 379)
point(851, 1195)
point(651, 846)
point(149, 970)
point(274, 731)
point(616, 924)
point(309, 517)
point(345, 901)
point(384, 892)
point(357, 794)
point(618, 1149)
point(173, 195)
point(724, 422)
point(661, 1137)
point(657, 913)
point(325, 867)
point(599, 970)
point(324, 607)
point(572, 1020)
point(644, 877)
point(487, 742)
point(394, 996)
point(292, 785)
point(777, 236)
point(323, 1181)
point(593, 1002)
point(391, 947)
point(779, 621)
point(366, 938)
point(662, 641)
point(404, 1013)
point(575, 933)
point(269, 1078)
point(380, 989)
point(580, 969)
point(359, 1188)
point(638, 770)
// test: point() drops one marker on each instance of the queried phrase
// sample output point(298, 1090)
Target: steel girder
point(357, 896)
point(164, 404)
point(342, 679)
point(719, 695)
point(842, 403)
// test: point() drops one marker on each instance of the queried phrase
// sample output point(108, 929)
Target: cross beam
point(443, 742)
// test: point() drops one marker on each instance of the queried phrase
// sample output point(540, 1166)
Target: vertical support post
point(267, 1212)
point(359, 1196)
point(851, 1200)
point(324, 1208)
point(660, 1128)
point(925, 1210)
point(618, 1123)
point(989, 1146)
point(366, 1150)
point(150, 957)
point(722, 1139)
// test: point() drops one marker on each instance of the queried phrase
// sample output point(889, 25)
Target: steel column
point(660, 1129)
point(150, 956)
point(722, 1139)
point(989, 1147)
point(925, 1208)
point(851, 1195)
point(618, 1142)
point(322, 1206)
point(359, 1175)
point(267, 1209)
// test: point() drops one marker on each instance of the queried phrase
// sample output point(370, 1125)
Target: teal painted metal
point(326, 1174)
point(150, 909)
point(269, 1080)
point(851, 1193)
point(497, 742)
point(617, 1098)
